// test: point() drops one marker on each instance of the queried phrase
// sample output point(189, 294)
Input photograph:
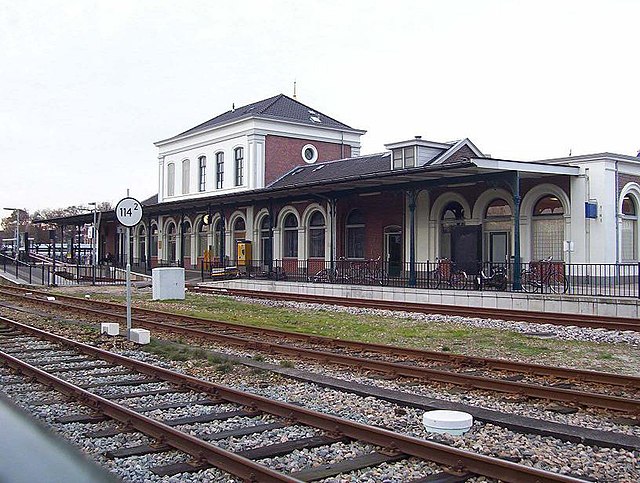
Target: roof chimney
point(638, 155)
point(418, 137)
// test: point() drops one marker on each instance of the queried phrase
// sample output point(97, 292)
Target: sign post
point(129, 213)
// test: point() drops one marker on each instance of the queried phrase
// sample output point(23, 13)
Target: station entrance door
point(466, 247)
point(393, 250)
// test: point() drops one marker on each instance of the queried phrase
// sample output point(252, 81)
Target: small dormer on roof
point(419, 152)
point(415, 152)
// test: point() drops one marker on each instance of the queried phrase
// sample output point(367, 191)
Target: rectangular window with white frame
point(404, 157)
point(202, 173)
point(219, 170)
point(186, 174)
point(239, 159)
point(171, 179)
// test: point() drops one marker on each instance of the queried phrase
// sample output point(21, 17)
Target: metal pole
point(18, 234)
point(94, 243)
point(128, 248)
point(517, 282)
point(53, 278)
point(78, 253)
point(412, 238)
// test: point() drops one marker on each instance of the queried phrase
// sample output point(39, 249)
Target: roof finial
point(294, 89)
point(233, 106)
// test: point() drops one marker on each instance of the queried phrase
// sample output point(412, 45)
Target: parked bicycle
point(494, 276)
point(359, 272)
point(546, 276)
point(447, 275)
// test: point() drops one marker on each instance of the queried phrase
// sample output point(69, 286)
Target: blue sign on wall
point(591, 210)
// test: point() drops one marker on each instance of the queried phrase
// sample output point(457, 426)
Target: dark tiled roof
point(152, 200)
point(335, 170)
point(278, 107)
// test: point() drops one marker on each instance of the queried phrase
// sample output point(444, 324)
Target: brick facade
point(463, 152)
point(624, 179)
point(283, 154)
point(379, 211)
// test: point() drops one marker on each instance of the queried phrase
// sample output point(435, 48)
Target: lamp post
point(94, 242)
point(17, 244)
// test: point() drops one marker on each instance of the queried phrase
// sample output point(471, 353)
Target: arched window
point(629, 230)
point(498, 208)
point(239, 233)
point(547, 229)
point(201, 242)
point(217, 239)
point(316, 235)
point(171, 179)
point(266, 251)
point(171, 243)
point(186, 173)
point(219, 170)
point(142, 244)
point(239, 158)
point(186, 238)
point(154, 240)
point(452, 215)
point(355, 234)
point(202, 173)
point(290, 238)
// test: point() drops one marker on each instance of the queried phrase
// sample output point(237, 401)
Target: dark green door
point(393, 245)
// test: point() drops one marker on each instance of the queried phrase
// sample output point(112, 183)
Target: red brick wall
point(463, 152)
point(379, 211)
point(623, 179)
point(282, 154)
point(109, 237)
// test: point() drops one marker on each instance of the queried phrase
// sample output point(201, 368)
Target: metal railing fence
point(544, 277)
point(63, 274)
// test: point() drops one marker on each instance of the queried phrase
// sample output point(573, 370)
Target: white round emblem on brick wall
point(309, 153)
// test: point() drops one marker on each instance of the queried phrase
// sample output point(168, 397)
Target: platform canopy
point(356, 175)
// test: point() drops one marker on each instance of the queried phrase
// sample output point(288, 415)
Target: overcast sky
point(87, 87)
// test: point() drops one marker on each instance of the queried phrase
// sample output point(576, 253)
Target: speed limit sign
point(129, 211)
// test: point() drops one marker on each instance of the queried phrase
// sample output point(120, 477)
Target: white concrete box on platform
point(140, 336)
point(109, 328)
point(168, 283)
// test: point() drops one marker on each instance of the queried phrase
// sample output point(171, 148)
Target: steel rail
point(616, 403)
point(556, 318)
point(198, 448)
point(484, 362)
point(460, 460)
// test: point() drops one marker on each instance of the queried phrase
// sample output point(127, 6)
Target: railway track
point(62, 364)
point(557, 318)
point(570, 386)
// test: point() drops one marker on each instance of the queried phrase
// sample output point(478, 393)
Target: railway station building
point(292, 182)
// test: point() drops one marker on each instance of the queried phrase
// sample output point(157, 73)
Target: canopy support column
point(515, 189)
point(412, 238)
